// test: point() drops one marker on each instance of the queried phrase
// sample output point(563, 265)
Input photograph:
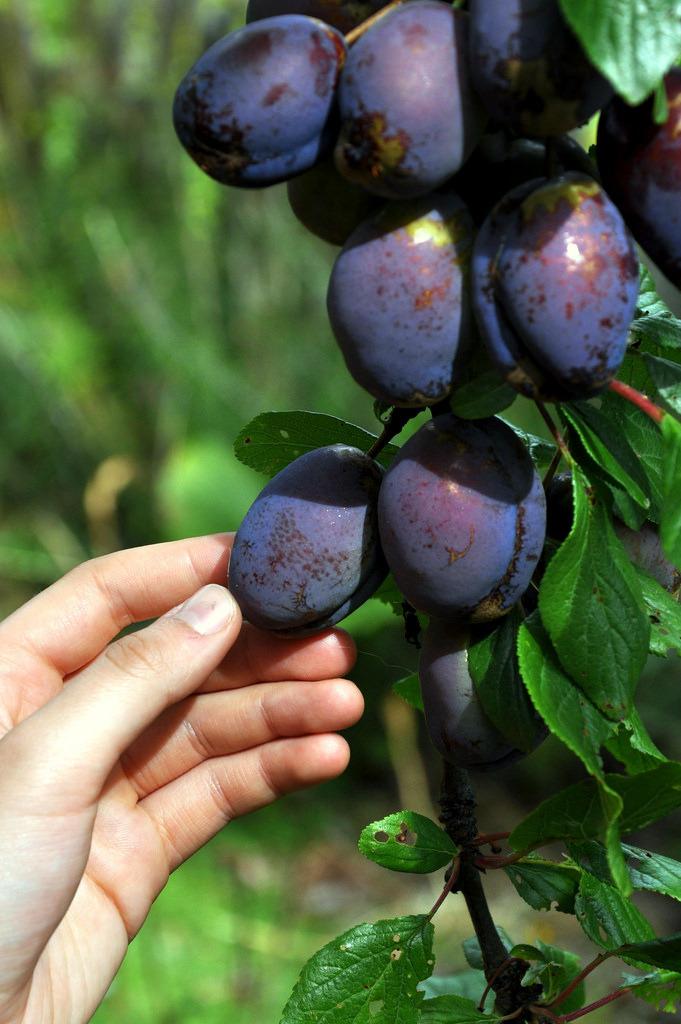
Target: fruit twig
point(555, 432)
point(457, 802)
point(396, 421)
point(562, 996)
point(636, 398)
point(451, 884)
point(356, 33)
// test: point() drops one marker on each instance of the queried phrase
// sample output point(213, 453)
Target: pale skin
point(119, 758)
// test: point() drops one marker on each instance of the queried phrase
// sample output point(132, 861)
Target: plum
point(462, 515)
point(529, 68)
point(640, 164)
point(307, 552)
point(258, 106)
point(555, 284)
point(457, 725)
point(409, 115)
point(398, 298)
point(342, 14)
point(327, 204)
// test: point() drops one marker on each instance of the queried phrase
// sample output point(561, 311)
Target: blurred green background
point(146, 314)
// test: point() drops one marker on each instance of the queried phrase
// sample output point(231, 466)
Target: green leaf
point(649, 302)
point(545, 883)
point(670, 525)
point(666, 376)
point(493, 665)
point(469, 984)
point(644, 436)
point(632, 44)
point(454, 1010)
point(576, 812)
point(651, 872)
point(665, 616)
point(648, 796)
point(661, 989)
point(368, 975)
point(388, 593)
point(573, 813)
point(553, 969)
point(608, 918)
point(473, 954)
point(407, 841)
point(568, 713)
point(540, 451)
point(409, 689)
point(665, 953)
point(481, 390)
point(591, 604)
point(274, 439)
point(657, 332)
point(609, 449)
point(633, 746)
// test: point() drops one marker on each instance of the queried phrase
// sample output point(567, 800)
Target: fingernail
point(209, 610)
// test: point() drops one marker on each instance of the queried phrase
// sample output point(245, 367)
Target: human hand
point(119, 759)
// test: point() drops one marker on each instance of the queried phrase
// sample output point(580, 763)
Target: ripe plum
point(462, 518)
point(457, 725)
point(257, 108)
point(398, 298)
point(555, 284)
point(640, 163)
point(307, 552)
point(409, 115)
point(529, 68)
point(327, 204)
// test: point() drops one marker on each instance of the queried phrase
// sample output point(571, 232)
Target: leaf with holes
point(407, 841)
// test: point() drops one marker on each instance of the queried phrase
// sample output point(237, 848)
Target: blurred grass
point(145, 315)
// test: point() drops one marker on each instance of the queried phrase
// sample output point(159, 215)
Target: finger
point(189, 811)
point(217, 724)
point(67, 625)
point(70, 745)
point(259, 657)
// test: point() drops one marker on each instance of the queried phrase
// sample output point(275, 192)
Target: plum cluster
point(429, 143)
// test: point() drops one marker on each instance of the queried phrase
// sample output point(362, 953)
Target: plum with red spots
point(530, 70)
point(307, 552)
point(327, 204)
point(457, 724)
point(555, 283)
point(640, 164)
point(342, 14)
point(398, 299)
point(258, 106)
point(462, 518)
point(409, 115)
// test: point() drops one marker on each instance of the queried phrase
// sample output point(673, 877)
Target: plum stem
point(489, 838)
point(641, 402)
point(493, 977)
point(594, 1006)
point(555, 432)
point(356, 33)
point(562, 996)
point(396, 422)
point(551, 471)
point(449, 886)
point(457, 803)
point(495, 862)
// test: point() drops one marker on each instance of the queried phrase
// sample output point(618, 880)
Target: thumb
point(77, 737)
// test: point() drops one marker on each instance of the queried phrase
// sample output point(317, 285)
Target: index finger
point(70, 622)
